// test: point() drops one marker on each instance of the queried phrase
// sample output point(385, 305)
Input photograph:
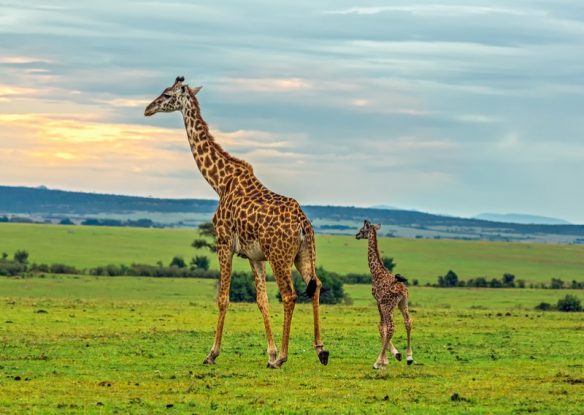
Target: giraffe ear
point(377, 226)
point(366, 222)
point(196, 89)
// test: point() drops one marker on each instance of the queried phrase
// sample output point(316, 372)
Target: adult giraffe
point(250, 221)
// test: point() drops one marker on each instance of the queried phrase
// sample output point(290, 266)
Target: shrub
point(557, 284)
point(544, 306)
point(331, 292)
point(11, 268)
point(449, 280)
point(495, 283)
point(200, 262)
point(508, 280)
point(388, 263)
point(243, 288)
point(63, 269)
point(39, 268)
point(569, 303)
point(178, 262)
point(357, 278)
point(207, 229)
point(479, 282)
point(21, 256)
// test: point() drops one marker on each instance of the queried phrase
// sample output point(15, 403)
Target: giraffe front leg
point(225, 258)
point(259, 270)
point(379, 363)
point(386, 330)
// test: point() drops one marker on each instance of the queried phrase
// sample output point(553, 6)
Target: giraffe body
point(252, 222)
point(389, 291)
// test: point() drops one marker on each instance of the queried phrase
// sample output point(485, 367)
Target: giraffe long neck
point(216, 165)
point(375, 263)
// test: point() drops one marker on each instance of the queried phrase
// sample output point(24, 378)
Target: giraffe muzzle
point(150, 110)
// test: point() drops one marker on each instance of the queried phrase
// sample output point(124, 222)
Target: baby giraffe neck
point(376, 266)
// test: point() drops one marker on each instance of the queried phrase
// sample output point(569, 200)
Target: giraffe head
point(367, 227)
point(173, 98)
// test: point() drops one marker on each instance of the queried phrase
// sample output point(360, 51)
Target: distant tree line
point(242, 283)
point(450, 279)
point(177, 268)
point(138, 223)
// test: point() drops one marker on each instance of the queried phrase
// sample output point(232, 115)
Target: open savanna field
point(84, 344)
point(422, 259)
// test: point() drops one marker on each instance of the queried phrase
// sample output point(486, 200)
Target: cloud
point(407, 103)
point(442, 10)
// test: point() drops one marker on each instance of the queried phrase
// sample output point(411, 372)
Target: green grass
point(135, 345)
point(85, 246)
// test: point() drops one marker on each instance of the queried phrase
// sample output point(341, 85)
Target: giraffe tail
point(308, 234)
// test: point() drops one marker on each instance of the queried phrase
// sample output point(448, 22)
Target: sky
point(458, 107)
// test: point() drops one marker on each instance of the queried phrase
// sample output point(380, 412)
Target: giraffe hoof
point(378, 366)
point(209, 360)
point(410, 361)
point(398, 356)
point(323, 356)
point(274, 365)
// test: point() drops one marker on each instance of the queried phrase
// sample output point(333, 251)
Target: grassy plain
point(423, 259)
point(71, 345)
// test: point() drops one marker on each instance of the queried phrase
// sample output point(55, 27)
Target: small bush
point(332, 291)
point(357, 278)
point(21, 256)
point(544, 306)
point(556, 284)
point(569, 303)
point(508, 280)
point(178, 262)
point(200, 262)
point(495, 283)
point(449, 280)
point(63, 269)
point(12, 268)
point(243, 288)
point(388, 263)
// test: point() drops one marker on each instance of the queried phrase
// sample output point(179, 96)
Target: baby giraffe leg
point(381, 359)
point(395, 352)
point(403, 306)
point(386, 330)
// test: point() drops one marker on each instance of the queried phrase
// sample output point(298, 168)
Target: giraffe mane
point(235, 160)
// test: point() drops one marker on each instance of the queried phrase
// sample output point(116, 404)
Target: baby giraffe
point(389, 290)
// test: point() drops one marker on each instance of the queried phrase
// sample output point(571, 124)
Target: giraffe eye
point(167, 95)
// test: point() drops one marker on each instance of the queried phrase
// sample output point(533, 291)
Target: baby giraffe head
point(173, 98)
point(367, 227)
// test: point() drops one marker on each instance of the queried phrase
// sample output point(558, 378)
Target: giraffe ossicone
point(250, 221)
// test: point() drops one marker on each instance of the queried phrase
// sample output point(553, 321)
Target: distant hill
point(520, 218)
point(19, 204)
point(386, 207)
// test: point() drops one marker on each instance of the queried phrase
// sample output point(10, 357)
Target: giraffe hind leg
point(403, 306)
point(303, 264)
point(284, 280)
